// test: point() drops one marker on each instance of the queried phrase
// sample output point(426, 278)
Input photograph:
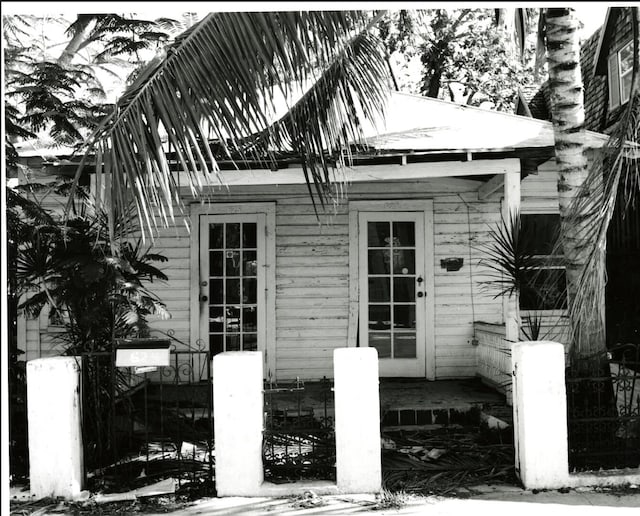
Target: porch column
point(238, 412)
point(55, 439)
point(510, 205)
point(357, 420)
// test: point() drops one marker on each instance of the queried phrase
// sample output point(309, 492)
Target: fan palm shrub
point(96, 289)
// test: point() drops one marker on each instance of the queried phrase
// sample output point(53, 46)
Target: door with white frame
point(395, 307)
point(231, 291)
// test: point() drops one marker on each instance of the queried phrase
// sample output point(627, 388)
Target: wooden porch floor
point(410, 402)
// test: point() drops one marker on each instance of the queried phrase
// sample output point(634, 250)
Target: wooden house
point(395, 265)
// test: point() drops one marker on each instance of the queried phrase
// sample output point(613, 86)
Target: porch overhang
point(420, 138)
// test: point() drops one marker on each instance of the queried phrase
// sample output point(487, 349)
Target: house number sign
point(143, 353)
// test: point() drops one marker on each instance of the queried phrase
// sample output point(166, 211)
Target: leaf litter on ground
point(446, 461)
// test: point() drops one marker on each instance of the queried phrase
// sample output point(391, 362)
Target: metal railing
point(150, 423)
point(603, 404)
point(299, 433)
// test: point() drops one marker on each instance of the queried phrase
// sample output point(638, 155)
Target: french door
point(392, 290)
point(232, 282)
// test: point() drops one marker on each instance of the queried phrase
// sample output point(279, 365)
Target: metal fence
point(603, 402)
point(147, 424)
point(299, 433)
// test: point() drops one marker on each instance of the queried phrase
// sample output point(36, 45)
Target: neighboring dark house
point(607, 66)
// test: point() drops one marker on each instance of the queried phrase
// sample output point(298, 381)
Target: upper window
point(620, 72)
point(544, 287)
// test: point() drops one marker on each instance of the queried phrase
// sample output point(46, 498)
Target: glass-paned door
point(392, 293)
point(232, 282)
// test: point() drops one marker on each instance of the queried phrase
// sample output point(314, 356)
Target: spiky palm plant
point(515, 270)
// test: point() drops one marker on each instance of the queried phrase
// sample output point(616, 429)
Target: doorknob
point(419, 280)
point(204, 299)
point(420, 294)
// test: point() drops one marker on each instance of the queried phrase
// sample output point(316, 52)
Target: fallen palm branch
point(461, 460)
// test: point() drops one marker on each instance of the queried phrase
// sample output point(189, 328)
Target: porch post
point(510, 205)
point(55, 438)
point(238, 412)
point(357, 420)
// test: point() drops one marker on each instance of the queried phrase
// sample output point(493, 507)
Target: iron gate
point(603, 403)
point(141, 425)
point(299, 433)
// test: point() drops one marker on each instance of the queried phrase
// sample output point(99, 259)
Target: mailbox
point(142, 352)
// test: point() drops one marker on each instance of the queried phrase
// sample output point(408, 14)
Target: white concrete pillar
point(357, 420)
point(238, 422)
point(540, 414)
point(55, 437)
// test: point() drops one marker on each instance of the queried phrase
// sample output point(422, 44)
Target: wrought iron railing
point(603, 403)
point(299, 434)
point(150, 423)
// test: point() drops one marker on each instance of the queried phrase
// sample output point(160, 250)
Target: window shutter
point(614, 81)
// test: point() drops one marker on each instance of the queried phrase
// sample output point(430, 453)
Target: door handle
point(419, 280)
point(204, 299)
point(420, 294)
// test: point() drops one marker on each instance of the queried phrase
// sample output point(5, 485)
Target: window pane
point(233, 291)
point(404, 316)
point(232, 323)
point(378, 234)
point(250, 342)
point(249, 291)
point(379, 290)
point(233, 236)
point(379, 261)
point(216, 344)
point(404, 345)
point(215, 236)
point(233, 263)
point(249, 319)
point(249, 235)
point(382, 342)
point(215, 292)
point(379, 317)
point(215, 263)
point(249, 263)
point(216, 319)
point(544, 289)
point(626, 87)
point(539, 232)
point(404, 234)
point(626, 59)
point(233, 342)
point(404, 289)
point(404, 261)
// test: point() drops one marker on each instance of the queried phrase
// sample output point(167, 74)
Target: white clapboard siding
point(326, 263)
point(312, 269)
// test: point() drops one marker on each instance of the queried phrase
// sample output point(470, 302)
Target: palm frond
point(222, 80)
point(507, 257)
point(613, 180)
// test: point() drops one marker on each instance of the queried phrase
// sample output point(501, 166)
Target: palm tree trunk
point(567, 101)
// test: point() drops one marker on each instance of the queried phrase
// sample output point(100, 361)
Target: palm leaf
point(613, 180)
point(507, 257)
point(222, 79)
